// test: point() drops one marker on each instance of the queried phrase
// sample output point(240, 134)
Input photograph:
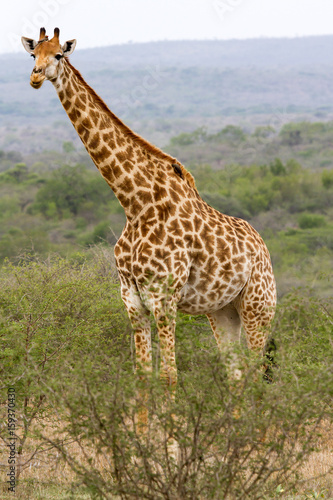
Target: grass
point(48, 476)
point(317, 471)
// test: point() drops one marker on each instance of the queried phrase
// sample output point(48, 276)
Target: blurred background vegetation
point(55, 201)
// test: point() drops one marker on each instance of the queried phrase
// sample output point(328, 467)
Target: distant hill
point(164, 88)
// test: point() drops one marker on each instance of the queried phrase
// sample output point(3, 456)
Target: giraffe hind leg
point(226, 326)
point(256, 310)
point(227, 323)
point(256, 313)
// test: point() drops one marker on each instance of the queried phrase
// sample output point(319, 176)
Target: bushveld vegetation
point(66, 344)
point(66, 348)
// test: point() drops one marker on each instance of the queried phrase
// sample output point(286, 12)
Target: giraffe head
point(48, 56)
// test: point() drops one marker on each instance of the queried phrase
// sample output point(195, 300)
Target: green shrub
point(327, 179)
point(235, 439)
point(309, 221)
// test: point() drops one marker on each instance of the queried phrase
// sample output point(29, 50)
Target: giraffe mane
point(150, 148)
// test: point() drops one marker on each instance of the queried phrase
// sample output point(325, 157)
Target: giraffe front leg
point(165, 318)
point(165, 311)
point(140, 321)
point(143, 357)
point(166, 333)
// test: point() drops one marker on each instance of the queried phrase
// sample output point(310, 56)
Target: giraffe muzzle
point(37, 78)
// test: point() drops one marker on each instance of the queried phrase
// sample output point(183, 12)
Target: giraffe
point(175, 252)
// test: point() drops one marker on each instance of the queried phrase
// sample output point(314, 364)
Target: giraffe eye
point(58, 56)
point(33, 56)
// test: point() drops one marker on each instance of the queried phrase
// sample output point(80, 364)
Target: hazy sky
point(104, 22)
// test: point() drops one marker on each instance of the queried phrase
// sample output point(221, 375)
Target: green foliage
point(101, 232)
point(8, 206)
point(307, 143)
point(17, 174)
point(53, 307)
point(184, 139)
point(277, 168)
point(264, 131)
point(68, 147)
point(220, 429)
point(69, 190)
point(56, 210)
point(231, 133)
point(66, 349)
point(260, 189)
point(296, 133)
point(309, 221)
point(52, 313)
point(303, 329)
point(46, 205)
point(327, 179)
point(15, 241)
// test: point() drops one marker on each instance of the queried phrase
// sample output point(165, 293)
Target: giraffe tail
point(269, 360)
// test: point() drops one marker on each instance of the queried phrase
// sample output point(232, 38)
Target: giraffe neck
point(126, 161)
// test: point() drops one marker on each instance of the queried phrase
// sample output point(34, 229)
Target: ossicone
point(42, 34)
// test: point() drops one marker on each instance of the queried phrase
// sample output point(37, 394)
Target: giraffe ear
point(29, 44)
point(68, 47)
